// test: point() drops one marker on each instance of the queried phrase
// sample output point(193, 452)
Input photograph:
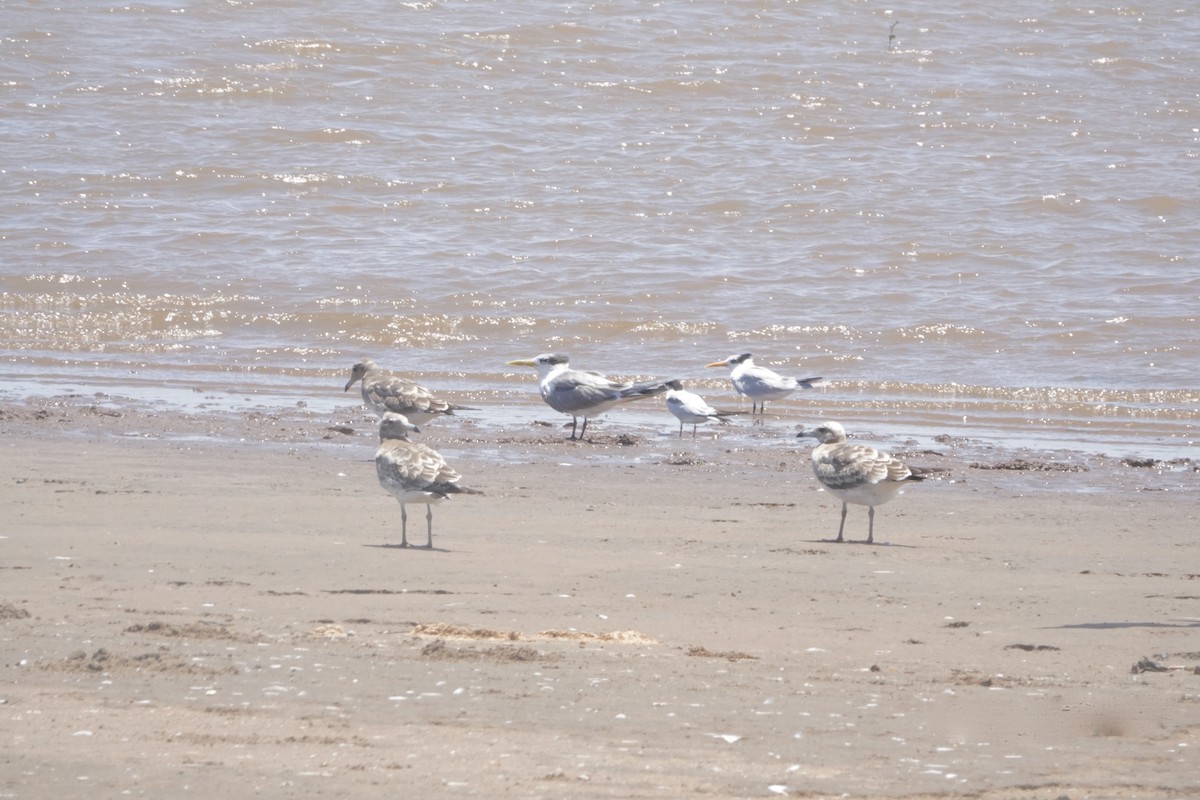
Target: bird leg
point(429, 526)
point(582, 430)
point(871, 525)
point(842, 527)
point(403, 526)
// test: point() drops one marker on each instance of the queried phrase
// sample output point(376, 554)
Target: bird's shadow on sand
point(415, 548)
point(860, 542)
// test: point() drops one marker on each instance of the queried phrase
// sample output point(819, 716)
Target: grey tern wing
point(576, 391)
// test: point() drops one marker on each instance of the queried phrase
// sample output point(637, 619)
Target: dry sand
point(206, 607)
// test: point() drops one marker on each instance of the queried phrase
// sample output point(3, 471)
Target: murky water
point(987, 230)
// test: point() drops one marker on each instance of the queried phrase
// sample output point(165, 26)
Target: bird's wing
point(678, 406)
point(897, 470)
point(921, 473)
point(693, 404)
point(760, 378)
point(445, 473)
point(845, 466)
point(577, 391)
point(401, 394)
point(647, 389)
point(598, 380)
point(412, 465)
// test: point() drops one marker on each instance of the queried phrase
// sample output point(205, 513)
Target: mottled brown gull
point(384, 392)
point(858, 474)
point(413, 472)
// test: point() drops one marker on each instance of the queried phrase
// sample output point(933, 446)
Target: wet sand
point(208, 606)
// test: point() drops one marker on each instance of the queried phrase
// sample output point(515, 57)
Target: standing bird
point(691, 408)
point(582, 393)
point(857, 473)
point(759, 383)
point(412, 472)
point(384, 393)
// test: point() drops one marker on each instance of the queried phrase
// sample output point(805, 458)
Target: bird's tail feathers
point(647, 389)
point(921, 473)
point(810, 383)
point(446, 489)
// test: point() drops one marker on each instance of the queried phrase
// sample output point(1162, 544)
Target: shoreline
point(1145, 423)
point(640, 426)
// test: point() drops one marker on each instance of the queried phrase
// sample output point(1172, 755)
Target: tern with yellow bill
point(759, 383)
point(582, 393)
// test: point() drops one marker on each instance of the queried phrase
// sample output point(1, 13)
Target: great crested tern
point(384, 392)
point(692, 409)
point(857, 473)
point(412, 472)
point(582, 393)
point(759, 383)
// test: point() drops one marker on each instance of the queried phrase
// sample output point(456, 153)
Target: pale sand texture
point(191, 618)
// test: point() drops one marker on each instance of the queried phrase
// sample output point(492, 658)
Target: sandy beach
point(207, 606)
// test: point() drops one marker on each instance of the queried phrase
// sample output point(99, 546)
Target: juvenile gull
point(384, 393)
point(857, 473)
point(691, 408)
point(759, 383)
point(582, 393)
point(413, 472)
